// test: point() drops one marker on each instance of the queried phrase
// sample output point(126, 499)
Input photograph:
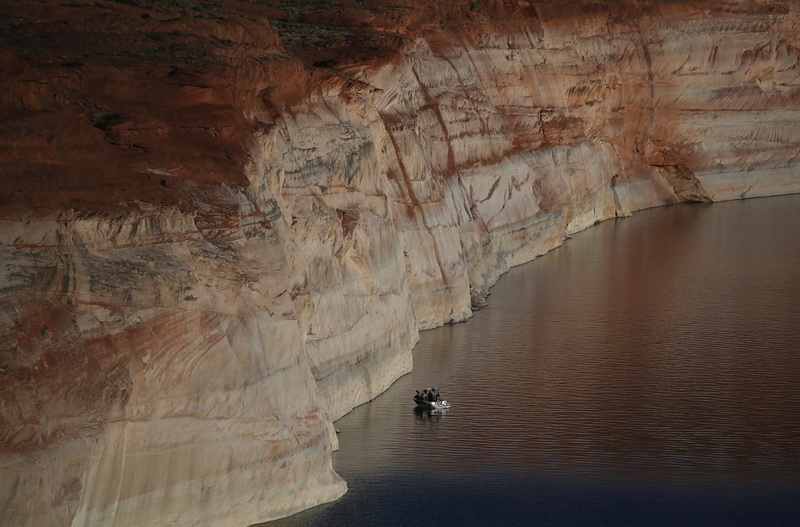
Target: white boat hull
point(432, 405)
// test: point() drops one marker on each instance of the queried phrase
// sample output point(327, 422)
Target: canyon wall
point(222, 225)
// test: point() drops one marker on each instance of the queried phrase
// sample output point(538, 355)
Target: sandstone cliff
point(222, 224)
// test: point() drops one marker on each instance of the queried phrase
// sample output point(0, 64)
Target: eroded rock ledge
point(223, 224)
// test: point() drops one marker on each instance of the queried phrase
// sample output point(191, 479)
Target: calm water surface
point(645, 373)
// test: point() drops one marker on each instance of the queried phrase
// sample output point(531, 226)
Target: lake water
point(645, 373)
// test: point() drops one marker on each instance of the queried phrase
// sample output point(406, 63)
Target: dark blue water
point(645, 373)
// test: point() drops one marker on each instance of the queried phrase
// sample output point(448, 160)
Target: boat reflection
point(427, 413)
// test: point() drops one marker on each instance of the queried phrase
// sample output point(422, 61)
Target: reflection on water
point(646, 373)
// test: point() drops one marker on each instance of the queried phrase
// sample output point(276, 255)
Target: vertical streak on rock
point(433, 105)
point(651, 100)
point(398, 156)
point(414, 201)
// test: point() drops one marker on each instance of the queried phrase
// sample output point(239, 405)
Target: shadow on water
point(643, 374)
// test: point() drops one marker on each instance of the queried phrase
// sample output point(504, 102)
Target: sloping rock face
point(222, 225)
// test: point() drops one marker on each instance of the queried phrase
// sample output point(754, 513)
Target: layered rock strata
point(224, 224)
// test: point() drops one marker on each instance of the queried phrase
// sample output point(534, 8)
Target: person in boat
point(431, 395)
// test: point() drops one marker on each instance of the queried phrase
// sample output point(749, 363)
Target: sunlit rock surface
point(222, 226)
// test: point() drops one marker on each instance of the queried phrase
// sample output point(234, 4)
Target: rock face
point(222, 225)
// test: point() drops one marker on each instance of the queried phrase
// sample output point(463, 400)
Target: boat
point(430, 399)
